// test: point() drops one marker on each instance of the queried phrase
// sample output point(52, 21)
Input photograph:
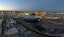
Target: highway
point(51, 29)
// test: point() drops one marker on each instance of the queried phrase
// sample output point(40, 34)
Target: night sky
point(32, 5)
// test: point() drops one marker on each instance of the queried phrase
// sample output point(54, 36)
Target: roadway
point(51, 28)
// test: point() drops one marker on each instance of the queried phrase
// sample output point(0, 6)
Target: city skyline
point(32, 5)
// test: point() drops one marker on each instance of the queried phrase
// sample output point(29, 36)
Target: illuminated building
point(37, 13)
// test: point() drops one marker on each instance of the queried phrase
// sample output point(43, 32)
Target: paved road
point(49, 28)
point(47, 25)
